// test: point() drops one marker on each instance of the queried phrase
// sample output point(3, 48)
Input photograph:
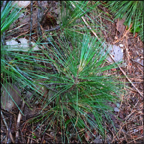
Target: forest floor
point(128, 118)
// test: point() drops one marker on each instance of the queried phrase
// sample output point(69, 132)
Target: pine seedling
point(79, 88)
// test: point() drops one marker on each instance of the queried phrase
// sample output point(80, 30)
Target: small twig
point(128, 55)
point(136, 139)
point(31, 22)
point(28, 139)
point(4, 120)
point(3, 138)
point(127, 117)
point(130, 81)
point(123, 35)
point(42, 138)
point(18, 122)
point(110, 54)
point(53, 29)
point(10, 124)
point(38, 18)
point(17, 28)
point(7, 127)
point(137, 62)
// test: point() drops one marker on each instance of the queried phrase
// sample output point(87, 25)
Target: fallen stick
point(7, 127)
point(109, 53)
point(18, 122)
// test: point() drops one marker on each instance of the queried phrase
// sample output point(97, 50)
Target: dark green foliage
point(80, 87)
point(16, 68)
point(80, 91)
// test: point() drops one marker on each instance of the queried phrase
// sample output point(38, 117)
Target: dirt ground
point(128, 118)
point(130, 128)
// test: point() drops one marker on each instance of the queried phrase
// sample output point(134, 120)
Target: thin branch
point(18, 122)
point(31, 22)
point(7, 127)
point(9, 130)
point(39, 19)
point(43, 17)
point(53, 29)
point(123, 35)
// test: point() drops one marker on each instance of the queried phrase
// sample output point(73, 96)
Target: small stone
point(13, 45)
point(116, 52)
point(116, 109)
point(121, 45)
point(22, 4)
point(138, 60)
point(11, 96)
point(115, 37)
point(135, 130)
point(118, 105)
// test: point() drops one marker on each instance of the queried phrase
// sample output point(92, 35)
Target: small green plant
point(132, 11)
point(79, 87)
point(80, 91)
point(8, 15)
point(16, 68)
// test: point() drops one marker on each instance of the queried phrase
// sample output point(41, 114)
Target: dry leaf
point(120, 27)
point(87, 136)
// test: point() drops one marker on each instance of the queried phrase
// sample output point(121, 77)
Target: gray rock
point(116, 109)
point(10, 96)
point(116, 52)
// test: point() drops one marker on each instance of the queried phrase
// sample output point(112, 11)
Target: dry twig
point(18, 122)
point(7, 127)
point(126, 32)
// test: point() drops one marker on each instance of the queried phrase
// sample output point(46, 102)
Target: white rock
point(116, 109)
point(35, 47)
point(138, 60)
point(116, 52)
point(21, 15)
point(118, 105)
point(22, 4)
point(121, 45)
point(22, 46)
point(12, 42)
point(116, 37)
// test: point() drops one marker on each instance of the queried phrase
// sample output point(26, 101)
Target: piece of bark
point(120, 26)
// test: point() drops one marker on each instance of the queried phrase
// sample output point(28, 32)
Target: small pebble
point(135, 130)
point(116, 37)
point(118, 105)
point(121, 45)
point(116, 109)
point(138, 60)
